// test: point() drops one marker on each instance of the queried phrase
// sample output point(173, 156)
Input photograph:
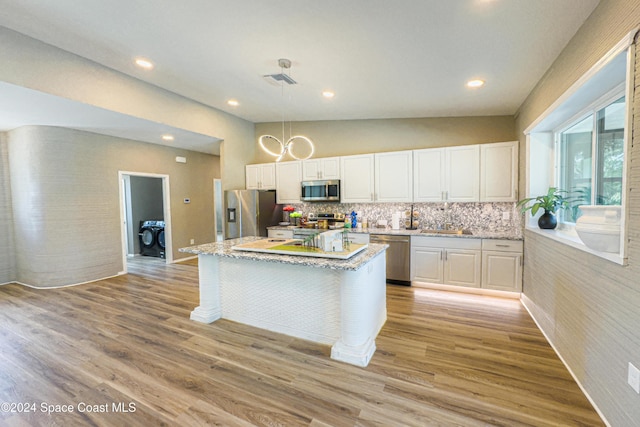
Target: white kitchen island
point(337, 302)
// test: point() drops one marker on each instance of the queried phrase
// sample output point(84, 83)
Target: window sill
point(570, 238)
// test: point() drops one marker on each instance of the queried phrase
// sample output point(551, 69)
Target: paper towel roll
point(395, 221)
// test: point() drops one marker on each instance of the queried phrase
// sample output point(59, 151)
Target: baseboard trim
point(524, 300)
point(63, 286)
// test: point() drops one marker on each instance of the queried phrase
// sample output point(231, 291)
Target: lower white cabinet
point(477, 263)
point(358, 238)
point(445, 260)
point(502, 265)
point(280, 233)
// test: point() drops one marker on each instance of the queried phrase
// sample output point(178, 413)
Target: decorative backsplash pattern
point(473, 216)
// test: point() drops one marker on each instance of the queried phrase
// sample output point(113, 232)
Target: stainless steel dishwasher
point(398, 257)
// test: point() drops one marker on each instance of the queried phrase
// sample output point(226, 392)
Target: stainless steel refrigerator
point(250, 212)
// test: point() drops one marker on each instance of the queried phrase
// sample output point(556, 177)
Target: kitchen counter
point(224, 249)
point(337, 302)
point(476, 234)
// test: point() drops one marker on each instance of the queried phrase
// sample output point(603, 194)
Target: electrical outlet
point(634, 378)
point(506, 216)
point(193, 241)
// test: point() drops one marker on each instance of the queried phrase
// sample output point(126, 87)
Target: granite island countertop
point(224, 249)
point(475, 234)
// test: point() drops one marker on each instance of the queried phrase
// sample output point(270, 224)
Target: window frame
point(590, 111)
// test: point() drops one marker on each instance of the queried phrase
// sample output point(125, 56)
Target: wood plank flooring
point(443, 359)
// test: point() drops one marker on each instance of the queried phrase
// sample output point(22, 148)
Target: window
point(591, 158)
point(580, 143)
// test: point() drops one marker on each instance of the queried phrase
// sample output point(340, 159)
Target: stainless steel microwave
point(327, 190)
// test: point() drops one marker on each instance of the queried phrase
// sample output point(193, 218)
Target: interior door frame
point(166, 207)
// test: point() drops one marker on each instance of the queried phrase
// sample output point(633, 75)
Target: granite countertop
point(223, 249)
point(476, 234)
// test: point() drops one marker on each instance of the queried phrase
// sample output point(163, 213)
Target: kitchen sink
point(459, 231)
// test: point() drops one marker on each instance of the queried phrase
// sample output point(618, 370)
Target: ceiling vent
point(278, 79)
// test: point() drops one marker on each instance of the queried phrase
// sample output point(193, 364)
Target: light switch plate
point(506, 216)
point(634, 378)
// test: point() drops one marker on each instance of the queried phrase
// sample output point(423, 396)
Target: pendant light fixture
point(284, 147)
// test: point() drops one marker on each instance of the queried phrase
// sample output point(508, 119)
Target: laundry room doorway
point(145, 217)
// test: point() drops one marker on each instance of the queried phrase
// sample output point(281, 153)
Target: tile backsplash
point(482, 216)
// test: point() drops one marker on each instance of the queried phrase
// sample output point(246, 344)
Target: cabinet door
point(283, 234)
point(462, 267)
point(357, 183)
point(330, 168)
point(462, 166)
point(252, 175)
point(288, 177)
point(427, 264)
point(268, 176)
point(428, 175)
point(394, 177)
point(261, 176)
point(502, 271)
point(311, 170)
point(498, 172)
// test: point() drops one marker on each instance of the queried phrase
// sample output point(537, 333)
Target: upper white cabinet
point(288, 177)
point(261, 176)
point(447, 174)
point(462, 171)
point(428, 175)
point(498, 172)
point(357, 178)
point(394, 177)
point(325, 168)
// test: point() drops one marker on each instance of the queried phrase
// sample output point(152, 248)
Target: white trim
point(62, 286)
point(568, 238)
point(166, 202)
point(623, 44)
point(175, 261)
point(523, 300)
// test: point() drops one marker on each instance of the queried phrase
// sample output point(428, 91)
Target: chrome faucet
point(447, 216)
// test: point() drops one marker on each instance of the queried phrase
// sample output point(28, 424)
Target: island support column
point(209, 309)
point(363, 312)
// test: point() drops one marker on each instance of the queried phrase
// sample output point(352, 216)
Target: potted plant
point(554, 200)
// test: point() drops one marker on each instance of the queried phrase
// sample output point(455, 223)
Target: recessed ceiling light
point(475, 83)
point(233, 102)
point(144, 63)
point(167, 137)
point(328, 94)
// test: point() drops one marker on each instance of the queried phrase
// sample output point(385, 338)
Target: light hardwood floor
point(443, 359)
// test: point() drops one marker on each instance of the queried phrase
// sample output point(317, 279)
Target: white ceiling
point(384, 59)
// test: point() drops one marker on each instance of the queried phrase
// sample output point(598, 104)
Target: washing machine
point(151, 237)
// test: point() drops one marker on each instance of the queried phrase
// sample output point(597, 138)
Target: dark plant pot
point(547, 221)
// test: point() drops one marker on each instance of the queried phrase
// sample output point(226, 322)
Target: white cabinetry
point(280, 233)
point(445, 260)
point(428, 175)
point(325, 168)
point(502, 265)
point(498, 172)
point(462, 171)
point(261, 176)
point(447, 174)
point(288, 178)
point(358, 238)
point(357, 178)
point(394, 177)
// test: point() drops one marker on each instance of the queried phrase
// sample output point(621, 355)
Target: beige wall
point(66, 205)
point(339, 138)
point(587, 306)
point(30, 63)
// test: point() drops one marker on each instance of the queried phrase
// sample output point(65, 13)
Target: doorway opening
point(145, 217)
